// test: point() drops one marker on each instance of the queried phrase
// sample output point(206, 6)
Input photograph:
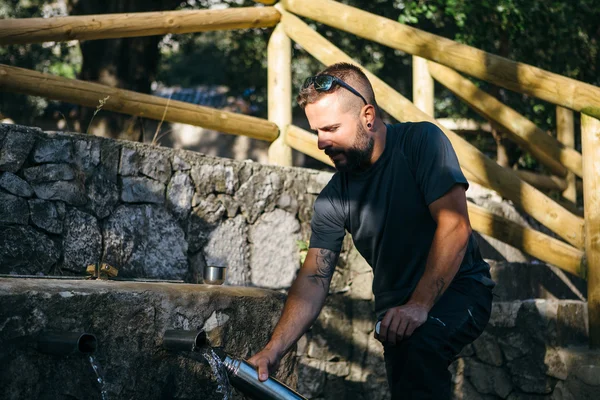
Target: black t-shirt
point(385, 209)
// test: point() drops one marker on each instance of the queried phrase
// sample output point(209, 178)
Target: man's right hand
point(266, 361)
point(304, 302)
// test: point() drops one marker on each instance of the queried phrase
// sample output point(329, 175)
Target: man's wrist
point(276, 347)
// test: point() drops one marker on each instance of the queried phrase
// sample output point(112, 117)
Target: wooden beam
point(565, 133)
point(590, 143)
point(525, 133)
point(535, 243)
point(306, 142)
point(504, 181)
point(279, 93)
point(423, 89)
point(19, 80)
point(532, 242)
point(106, 26)
point(543, 182)
point(500, 71)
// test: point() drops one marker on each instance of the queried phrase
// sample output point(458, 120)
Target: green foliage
point(558, 36)
point(62, 59)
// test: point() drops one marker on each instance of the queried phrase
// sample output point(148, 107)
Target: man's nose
point(323, 140)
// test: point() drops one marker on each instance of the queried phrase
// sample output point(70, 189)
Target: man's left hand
point(400, 322)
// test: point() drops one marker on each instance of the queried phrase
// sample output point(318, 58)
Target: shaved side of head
point(353, 76)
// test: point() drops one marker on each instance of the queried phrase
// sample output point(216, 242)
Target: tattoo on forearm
point(326, 260)
point(440, 284)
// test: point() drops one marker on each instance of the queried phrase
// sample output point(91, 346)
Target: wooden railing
point(434, 59)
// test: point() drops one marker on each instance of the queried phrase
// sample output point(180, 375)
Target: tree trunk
point(129, 63)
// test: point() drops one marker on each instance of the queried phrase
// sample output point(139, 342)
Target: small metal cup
point(214, 275)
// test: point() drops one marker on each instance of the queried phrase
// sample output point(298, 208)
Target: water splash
point(99, 377)
point(219, 371)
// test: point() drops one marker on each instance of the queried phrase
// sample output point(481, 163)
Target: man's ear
point(369, 115)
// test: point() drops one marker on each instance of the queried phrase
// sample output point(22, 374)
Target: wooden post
point(306, 142)
point(590, 143)
point(106, 26)
point(519, 77)
point(423, 89)
point(19, 80)
point(279, 96)
point(565, 133)
point(522, 131)
point(504, 181)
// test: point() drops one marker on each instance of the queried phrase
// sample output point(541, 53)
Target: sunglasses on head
point(323, 83)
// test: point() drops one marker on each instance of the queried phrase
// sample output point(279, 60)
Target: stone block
point(572, 323)
point(514, 344)
point(487, 379)
point(23, 250)
point(206, 215)
point(311, 377)
point(145, 241)
point(179, 163)
point(316, 182)
point(130, 162)
point(504, 314)
point(529, 375)
point(86, 154)
point(180, 192)
point(227, 245)
point(338, 368)
point(17, 144)
point(362, 286)
point(332, 332)
point(53, 149)
point(555, 365)
point(71, 192)
point(15, 185)
point(259, 194)
point(215, 178)
point(487, 349)
point(142, 190)
point(13, 210)
point(561, 392)
point(49, 173)
point(82, 242)
point(156, 165)
point(102, 193)
point(588, 374)
point(274, 253)
point(47, 215)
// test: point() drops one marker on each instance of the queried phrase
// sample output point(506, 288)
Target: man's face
point(341, 135)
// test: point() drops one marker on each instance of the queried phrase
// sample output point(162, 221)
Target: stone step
point(522, 281)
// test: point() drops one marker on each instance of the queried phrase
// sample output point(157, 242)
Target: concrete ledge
point(128, 319)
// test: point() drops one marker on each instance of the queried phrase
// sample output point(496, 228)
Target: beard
point(358, 156)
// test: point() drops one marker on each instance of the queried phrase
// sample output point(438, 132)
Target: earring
point(368, 125)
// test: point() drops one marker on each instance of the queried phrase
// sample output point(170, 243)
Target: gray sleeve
point(436, 166)
point(327, 224)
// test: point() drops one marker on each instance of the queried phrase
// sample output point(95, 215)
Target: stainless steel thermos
point(244, 377)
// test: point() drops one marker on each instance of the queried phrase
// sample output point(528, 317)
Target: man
point(400, 192)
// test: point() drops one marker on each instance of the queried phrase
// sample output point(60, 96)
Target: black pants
point(417, 367)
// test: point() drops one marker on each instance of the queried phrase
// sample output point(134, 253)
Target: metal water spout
point(67, 343)
point(242, 375)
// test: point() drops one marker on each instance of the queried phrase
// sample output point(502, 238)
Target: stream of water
point(99, 377)
point(219, 371)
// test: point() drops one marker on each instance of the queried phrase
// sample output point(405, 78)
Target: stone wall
point(71, 200)
point(128, 320)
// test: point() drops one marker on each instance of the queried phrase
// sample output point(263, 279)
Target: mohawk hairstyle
point(349, 73)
